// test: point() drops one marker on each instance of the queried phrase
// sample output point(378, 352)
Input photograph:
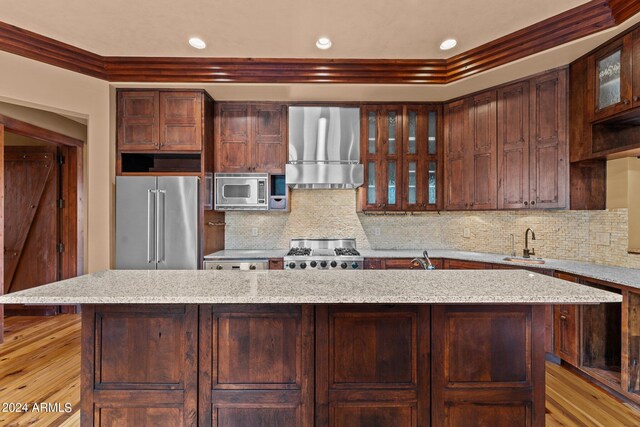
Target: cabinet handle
point(384, 205)
point(636, 98)
point(526, 203)
point(625, 101)
point(533, 202)
point(379, 205)
point(563, 317)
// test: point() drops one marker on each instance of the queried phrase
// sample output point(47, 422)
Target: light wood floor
point(40, 362)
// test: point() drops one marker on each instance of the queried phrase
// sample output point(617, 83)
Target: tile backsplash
point(590, 236)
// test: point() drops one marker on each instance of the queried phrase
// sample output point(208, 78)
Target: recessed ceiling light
point(323, 43)
point(448, 44)
point(197, 43)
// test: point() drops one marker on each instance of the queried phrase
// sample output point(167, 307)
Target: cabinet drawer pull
point(533, 202)
point(625, 101)
point(526, 203)
point(563, 317)
point(636, 98)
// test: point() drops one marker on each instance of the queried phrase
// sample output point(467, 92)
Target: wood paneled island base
point(282, 365)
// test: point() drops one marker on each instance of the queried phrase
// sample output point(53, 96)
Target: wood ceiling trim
point(581, 21)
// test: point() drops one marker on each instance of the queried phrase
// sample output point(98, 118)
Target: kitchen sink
point(525, 260)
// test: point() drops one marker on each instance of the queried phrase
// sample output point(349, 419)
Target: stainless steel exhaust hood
point(324, 148)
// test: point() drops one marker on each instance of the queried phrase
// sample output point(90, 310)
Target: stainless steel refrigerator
point(157, 222)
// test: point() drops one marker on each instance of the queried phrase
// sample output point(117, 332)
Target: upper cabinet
point(470, 153)
point(401, 152)
point(532, 143)
point(151, 120)
point(611, 72)
point(507, 148)
point(251, 137)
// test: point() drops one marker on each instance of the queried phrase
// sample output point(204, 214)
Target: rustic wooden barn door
point(31, 229)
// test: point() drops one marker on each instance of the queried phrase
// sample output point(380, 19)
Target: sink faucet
point(513, 244)
point(526, 253)
point(424, 262)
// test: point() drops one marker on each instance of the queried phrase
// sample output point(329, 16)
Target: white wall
point(33, 84)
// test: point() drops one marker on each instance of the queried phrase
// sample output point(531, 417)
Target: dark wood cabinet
point(380, 150)
point(152, 120)
point(251, 137)
point(401, 151)
point(372, 366)
point(256, 365)
point(455, 264)
point(181, 121)
point(406, 264)
point(138, 120)
point(276, 264)
point(496, 386)
point(548, 169)
point(144, 366)
point(610, 69)
point(513, 146)
point(532, 143)
point(566, 327)
point(470, 153)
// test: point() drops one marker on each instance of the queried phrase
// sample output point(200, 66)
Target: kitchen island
point(290, 348)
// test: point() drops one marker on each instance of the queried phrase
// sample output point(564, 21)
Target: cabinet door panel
point(233, 151)
point(612, 73)
point(548, 148)
point(483, 185)
point(456, 164)
point(138, 120)
point(566, 335)
point(636, 68)
point(494, 415)
point(372, 366)
point(513, 146)
point(270, 139)
point(256, 365)
point(181, 121)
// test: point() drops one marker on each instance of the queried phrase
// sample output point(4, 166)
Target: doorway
point(41, 225)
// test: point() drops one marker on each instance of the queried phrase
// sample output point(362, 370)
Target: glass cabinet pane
point(391, 129)
point(432, 182)
point(391, 183)
point(413, 124)
point(411, 189)
point(372, 132)
point(609, 80)
point(371, 184)
point(432, 132)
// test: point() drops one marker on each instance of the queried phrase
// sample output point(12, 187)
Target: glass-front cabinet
point(420, 157)
point(382, 142)
point(401, 156)
point(612, 78)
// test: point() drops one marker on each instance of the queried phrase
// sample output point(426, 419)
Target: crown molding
point(581, 21)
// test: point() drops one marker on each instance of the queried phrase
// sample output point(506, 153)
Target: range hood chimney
point(324, 148)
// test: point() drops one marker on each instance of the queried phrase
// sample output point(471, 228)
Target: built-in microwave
point(242, 191)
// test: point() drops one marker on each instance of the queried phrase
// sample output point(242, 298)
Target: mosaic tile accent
point(570, 235)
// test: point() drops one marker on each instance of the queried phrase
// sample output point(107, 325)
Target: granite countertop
point(312, 287)
point(623, 276)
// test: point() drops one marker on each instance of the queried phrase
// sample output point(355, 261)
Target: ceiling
point(408, 29)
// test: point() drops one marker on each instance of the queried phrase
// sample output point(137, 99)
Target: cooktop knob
point(218, 267)
point(333, 264)
point(343, 265)
point(303, 265)
point(292, 265)
point(323, 264)
point(354, 265)
point(313, 264)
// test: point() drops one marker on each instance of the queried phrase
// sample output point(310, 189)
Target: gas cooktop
point(323, 254)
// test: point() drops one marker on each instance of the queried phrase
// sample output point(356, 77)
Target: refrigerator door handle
point(151, 204)
point(160, 232)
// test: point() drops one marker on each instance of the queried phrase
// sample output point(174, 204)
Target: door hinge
point(60, 203)
point(60, 159)
point(60, 247)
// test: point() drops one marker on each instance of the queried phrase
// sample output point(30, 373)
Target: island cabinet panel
point(372, 366)
point(456, 264)
point(139, 365)
point(490, 365)
point(256, 365)
point(566, 322)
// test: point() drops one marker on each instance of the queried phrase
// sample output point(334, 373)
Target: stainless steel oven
point(242, 191)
